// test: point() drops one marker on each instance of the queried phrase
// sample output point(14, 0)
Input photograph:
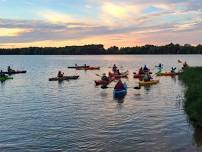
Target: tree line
point(100, 50)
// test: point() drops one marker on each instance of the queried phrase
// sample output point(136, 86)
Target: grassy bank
point(192, 79)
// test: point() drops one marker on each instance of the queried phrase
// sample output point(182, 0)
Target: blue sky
point(116, 22)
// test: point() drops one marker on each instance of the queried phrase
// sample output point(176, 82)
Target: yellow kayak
point(144, 83)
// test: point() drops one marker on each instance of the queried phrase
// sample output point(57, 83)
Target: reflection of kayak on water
point(4, 78)
point(64, 78)
point(151, 82)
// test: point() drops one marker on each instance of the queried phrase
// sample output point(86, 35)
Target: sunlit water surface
point(38, 115)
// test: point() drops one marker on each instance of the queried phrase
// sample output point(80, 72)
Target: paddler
point(2, 74)
point(145, 69)
point(9, 69)
point(118, 72)
point(147, 77)
point(141, 71)
point(60, 74)
point(185, 65)
point(119, 85)
point(104, 78)
point(173, 70)
point(114, 69)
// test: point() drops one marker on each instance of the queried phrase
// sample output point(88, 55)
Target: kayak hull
point(15, 72)
point(74, 67)
point(122, 75)
point(101, 82)
point(167, 74)
point(88, 68)
point(120, 93)
point(151, 82)
point(64, 78)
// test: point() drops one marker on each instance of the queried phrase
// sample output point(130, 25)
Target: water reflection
point(198, 136)
point(119, 99)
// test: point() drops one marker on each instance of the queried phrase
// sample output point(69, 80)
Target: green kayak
point(5, 78)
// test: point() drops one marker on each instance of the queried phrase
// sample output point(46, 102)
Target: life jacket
point(119, 86)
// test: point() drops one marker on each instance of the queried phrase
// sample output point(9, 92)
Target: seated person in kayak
point(114, 69)
point(118, 72)
point(9, 69)
point(185, 65)
point(147, 77)
point(2, 74)
point(145, 69)
point(104, 78)
point(173, 70)
point(119, 85)
point(160, 66)
point(141, 71)
point(60, 74)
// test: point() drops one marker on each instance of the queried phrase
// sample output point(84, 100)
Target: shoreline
point(192, 78)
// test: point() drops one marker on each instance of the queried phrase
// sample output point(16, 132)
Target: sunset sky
point(25, 23)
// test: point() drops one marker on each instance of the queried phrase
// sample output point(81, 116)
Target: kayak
point(88, 68)
point(74, 67)
point(142, 73)
point(167, 74)
point(102, 82)
point(5, 78)
point(118, 76)
point(120, 93)
point(151, 82)
point(14, 72)
point(64, 78)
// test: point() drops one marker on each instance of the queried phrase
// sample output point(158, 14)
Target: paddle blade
point(104, 87)
point(137, 88)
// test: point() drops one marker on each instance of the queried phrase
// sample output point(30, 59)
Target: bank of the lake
point(192, 78)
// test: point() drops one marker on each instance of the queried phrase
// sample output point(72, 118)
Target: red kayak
point(102, 82)
point(88, 68)
point(118, 76)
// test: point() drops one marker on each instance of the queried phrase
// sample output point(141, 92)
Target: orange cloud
point(9, 32)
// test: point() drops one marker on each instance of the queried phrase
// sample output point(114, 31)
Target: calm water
point(38, 115)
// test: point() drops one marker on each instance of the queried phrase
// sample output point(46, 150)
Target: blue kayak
point(120, 93)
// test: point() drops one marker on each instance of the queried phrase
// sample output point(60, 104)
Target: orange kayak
point(167, 74)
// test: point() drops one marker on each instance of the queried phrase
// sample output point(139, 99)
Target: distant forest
point(100, 50)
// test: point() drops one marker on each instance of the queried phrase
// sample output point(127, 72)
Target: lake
point(76, 116)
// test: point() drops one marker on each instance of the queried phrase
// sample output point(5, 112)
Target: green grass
point(192, 78)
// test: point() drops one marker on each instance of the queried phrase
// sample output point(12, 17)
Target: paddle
point(97, 75)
